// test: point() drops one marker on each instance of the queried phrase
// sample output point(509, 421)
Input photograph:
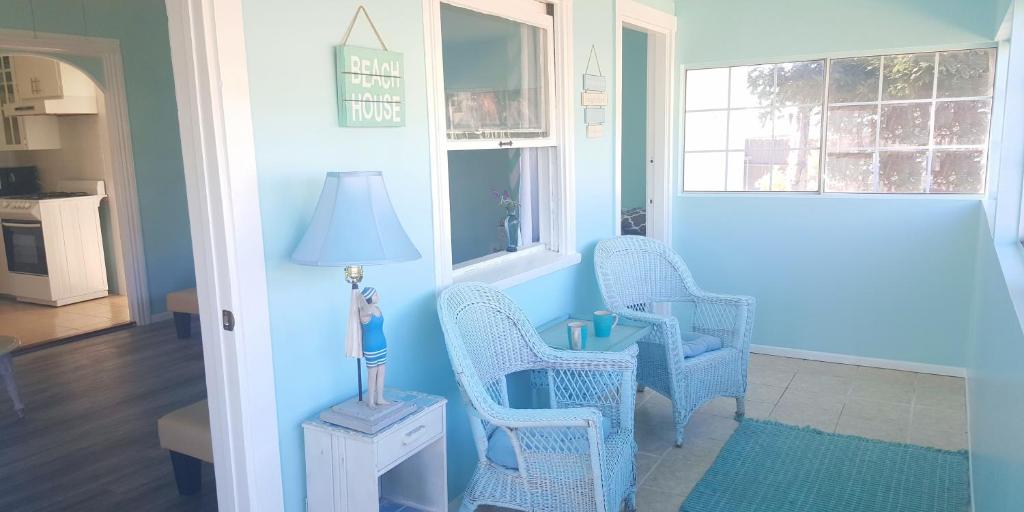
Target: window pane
point(751, 86)
point(966, 73)
point(902, 171)
point(707, 89)
point(749, 125)
point(746, 176)
point(477, 216)
point(799, 127)
point(905, 124)
point(495, 76)
point(849, 172)
point(704, 172)
point(800, 83)
point(855, 79)
point(908, 77)
point(799, 173)
point(958, 171)
point(706, 130)
point(959, 123)
point(852, 127)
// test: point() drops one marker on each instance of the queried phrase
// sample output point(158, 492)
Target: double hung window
point(503, 145)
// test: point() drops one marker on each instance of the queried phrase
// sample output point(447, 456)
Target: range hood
point(68, 105)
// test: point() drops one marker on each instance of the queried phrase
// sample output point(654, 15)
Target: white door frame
point(661, 49)
point(124, 199)
point(211, 82)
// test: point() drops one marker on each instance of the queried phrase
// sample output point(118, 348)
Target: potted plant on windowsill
point(511, 222)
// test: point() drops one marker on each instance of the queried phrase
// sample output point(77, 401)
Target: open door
point(645, 56)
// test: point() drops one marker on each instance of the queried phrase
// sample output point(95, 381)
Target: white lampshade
point(354, 224)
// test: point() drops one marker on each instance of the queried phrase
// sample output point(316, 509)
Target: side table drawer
point(398, 444)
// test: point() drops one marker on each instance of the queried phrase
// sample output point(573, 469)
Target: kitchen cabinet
point(22, 133)
point(46, 86)
point(36, 78)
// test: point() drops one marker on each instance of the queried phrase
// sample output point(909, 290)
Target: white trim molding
point(515, 268)
point(211, 81)
point(872, 362)
point(124, 199)
point(661, 55)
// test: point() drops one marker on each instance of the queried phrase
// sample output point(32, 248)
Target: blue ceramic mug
point(577, 331)
point(604, 321)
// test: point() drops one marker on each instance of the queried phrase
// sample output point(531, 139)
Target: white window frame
point(986, 147)
point(729, 109)
point(507, 269)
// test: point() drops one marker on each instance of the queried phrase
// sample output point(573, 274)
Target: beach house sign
point(371, 89)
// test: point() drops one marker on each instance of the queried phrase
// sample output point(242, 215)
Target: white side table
point(401, 468)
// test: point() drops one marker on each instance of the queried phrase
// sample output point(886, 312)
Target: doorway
point(62, 272)
point(645, 56)
point(633, 160)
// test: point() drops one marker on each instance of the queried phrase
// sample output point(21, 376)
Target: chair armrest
point(582, 417)
point(729, 317)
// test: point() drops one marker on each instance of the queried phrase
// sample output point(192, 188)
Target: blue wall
point(866, 276)
point(298, 140)
point(141, 28)
point(875, 276)
point(634, 118)
point(995, 353)
point(756, 32)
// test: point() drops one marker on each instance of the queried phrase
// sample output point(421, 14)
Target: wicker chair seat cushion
point(695, 344)
point(501, 452)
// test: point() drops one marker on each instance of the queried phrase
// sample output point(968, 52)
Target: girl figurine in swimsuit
point(375, 346)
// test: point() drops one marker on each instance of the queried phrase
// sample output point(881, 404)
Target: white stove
point(52, 245)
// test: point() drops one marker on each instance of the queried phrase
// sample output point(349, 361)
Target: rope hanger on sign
point(593, 58)
point(352, 24)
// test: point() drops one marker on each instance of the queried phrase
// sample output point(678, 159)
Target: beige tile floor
point(35, 324)
point(890, 405)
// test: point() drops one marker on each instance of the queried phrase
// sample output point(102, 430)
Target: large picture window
point(911, 123)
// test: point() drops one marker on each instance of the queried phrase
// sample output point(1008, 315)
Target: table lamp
point(354, 225)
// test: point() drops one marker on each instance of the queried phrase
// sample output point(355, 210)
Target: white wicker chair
point(577, 455)
point(635, 273)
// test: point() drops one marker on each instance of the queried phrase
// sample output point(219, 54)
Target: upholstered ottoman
point(185, 433)
point(184, 304)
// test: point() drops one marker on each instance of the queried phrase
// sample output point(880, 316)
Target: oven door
point(23, 243)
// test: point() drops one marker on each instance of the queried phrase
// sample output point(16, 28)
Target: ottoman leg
point(183, 325)
point(7, 373)
point(187, 473)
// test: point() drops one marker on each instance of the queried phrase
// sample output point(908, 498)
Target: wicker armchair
point(635, 273)
point(579, 454)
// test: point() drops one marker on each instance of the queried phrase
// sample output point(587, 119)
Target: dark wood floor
point(88, 441)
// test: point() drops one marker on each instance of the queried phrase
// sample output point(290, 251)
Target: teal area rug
point(771, 467)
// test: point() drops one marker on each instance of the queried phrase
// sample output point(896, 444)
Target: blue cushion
point(501, 452)
point(695, 344)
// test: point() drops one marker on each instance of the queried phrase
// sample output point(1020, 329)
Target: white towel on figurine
point(354, 332)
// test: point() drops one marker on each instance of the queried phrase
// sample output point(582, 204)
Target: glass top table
point(624, 335)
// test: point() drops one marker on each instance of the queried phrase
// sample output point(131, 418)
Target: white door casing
point(212, 88)
point(660, 28)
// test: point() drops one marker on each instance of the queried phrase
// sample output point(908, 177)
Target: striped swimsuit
point(375, 347)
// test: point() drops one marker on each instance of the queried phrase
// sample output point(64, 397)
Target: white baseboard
point(889, 364)
point(161, 317)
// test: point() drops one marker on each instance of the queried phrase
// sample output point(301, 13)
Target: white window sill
point(514, 269)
